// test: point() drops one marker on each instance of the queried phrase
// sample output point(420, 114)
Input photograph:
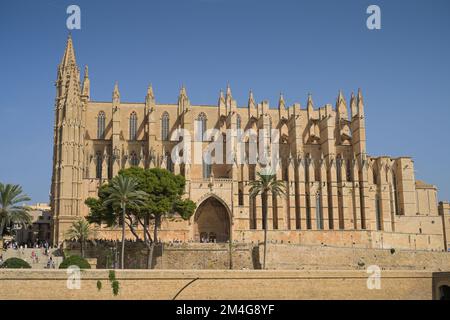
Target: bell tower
point(68, 151)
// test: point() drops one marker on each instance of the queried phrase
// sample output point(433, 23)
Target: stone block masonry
point(216, 256)
point(228, 284)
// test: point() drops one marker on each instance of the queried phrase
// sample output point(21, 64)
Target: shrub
point(115, 287)
point(15, 263)
point(114, 283)
point(99, 285)
point(75, 261)
point(112, 275)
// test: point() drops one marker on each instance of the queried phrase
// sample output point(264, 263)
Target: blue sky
point(295, 47)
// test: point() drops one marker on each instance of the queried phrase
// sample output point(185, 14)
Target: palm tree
point(10, 210)
point(266, 183)
point(80, 231)
point(123, 193)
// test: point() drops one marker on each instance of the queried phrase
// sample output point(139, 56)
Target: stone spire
point(116, 93)
point(68, 72)
point(282, 110)
point(281, 102)
point(150, 97)
point(221, 98)
point(69, 54)
point(183, 94)
point(86, 83)
point(310, 104)
point(228, 96)
point(221, 104)
point(183, 101)
point(353, 107)
point(341, 106)
point(251, 100)
point(360, 103)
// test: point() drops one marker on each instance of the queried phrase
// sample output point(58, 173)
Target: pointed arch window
point(378, 213)
point(238, 122)
point(206, 168)
point(165, 126)
point(169, 162)
point(133, 126)
point(270, 128)
point(307, 164)
point(101, 125)
point(394, 186)
point(348, 170)
point(319, 216)
point(134, 160)
point(240, 197)
point(201, 126)
point(339, 168)
point(99, 163)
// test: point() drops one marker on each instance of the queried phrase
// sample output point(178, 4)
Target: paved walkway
point(25, 254)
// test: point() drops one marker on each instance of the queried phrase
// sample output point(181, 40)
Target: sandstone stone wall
point(172, 256)
point(444, 211)
point(351, 238)
point(228, 284)
point(291, 257)
point(216, 256)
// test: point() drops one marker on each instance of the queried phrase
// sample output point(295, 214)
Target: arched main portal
point(212, 222)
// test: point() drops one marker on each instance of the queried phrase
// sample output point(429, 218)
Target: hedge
point(75, 261)
point(15, 263)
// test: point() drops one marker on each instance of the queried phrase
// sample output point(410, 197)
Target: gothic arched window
point(201, 126)
point(240, 197)
point(319, 212)
point(133, 126)
point(99, 160)
point(165, 126)
point(378, 213)
point(169, 162)
point(349, 170)
point(307, 164)
point(394, 187)
point(238, 122)
point(339, 168)
point(206, 168)
point(101, 125)
point(375, 177)
point(134, 160)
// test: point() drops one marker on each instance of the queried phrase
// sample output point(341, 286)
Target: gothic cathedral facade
point(337, 194)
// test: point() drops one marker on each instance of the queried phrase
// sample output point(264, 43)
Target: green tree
point(164, 190)
point(265, 184)
point(123, 192)
point(80, 231)
point(10, 210)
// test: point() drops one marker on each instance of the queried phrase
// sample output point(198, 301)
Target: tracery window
point(133, 126)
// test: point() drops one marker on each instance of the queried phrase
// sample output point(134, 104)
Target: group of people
point(38, 244)
point(205, 238)
point(38, 249)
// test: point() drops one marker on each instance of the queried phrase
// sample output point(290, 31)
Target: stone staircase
point(25, 254)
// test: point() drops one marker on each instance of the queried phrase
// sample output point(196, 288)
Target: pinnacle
point(69, 53)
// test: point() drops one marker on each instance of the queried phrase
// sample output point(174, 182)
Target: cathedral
point(336, 193)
